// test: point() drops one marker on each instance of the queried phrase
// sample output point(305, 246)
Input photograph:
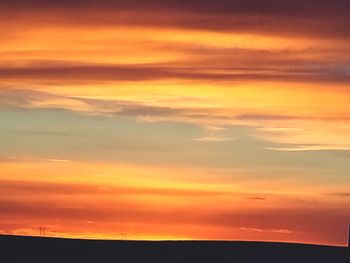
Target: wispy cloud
point(279, 231)
point(319, 147)
point(214, 139)
point(258, 198)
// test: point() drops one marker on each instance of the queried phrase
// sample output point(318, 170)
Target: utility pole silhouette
point(42, 231)
point(123, 236)
point(349, 238)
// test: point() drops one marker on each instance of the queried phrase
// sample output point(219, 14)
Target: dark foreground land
point(51, 250)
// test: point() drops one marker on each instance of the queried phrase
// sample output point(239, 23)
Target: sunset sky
point(184, 119)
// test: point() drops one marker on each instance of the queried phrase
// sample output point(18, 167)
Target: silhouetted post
point(123, 236)
point(42, 231)
point(349, 237)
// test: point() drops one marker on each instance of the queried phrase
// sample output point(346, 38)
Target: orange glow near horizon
point(101, 201)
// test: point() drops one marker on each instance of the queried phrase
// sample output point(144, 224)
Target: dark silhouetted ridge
point(20, 249)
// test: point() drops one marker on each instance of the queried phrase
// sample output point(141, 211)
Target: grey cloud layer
point(262, 7)
point(26, 98)
point(96, 73)
point(313, 17)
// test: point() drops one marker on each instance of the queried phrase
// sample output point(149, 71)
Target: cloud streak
point(318, 17)
point(96, 73)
